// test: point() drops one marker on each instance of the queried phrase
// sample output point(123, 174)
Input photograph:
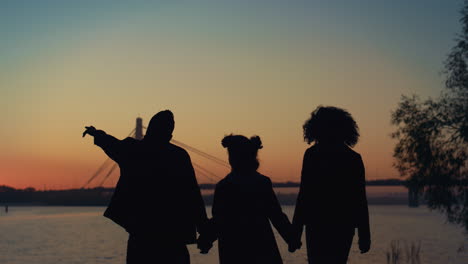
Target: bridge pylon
point(139, 128)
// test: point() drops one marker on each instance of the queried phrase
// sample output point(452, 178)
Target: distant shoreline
point(100, 196)
point(383, 202)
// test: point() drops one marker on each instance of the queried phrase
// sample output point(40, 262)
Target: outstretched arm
point(111, 145)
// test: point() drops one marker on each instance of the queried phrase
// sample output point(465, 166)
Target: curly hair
point(242, 151)
point(331, 124)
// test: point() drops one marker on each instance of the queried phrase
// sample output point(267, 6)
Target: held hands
point(294, 245)
point(364, 245)
point(90, 130)
point(294, 241)
point(204, 245)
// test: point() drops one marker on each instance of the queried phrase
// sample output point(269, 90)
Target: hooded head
point(160, 127)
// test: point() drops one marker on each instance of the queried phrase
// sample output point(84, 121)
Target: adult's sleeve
point(198, 205)
point(363, 211)
point(113, 147)
point(299, 212)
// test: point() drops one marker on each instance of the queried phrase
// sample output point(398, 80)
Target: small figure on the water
point(6, 208)
point(332, 197)
point(157, 198)
point(243, 206)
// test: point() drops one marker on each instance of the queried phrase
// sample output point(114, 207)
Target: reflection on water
point(52, 235)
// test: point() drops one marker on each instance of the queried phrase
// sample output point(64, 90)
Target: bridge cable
point(208, 174)
point(106, 163)
point(205, 172)
point(108, 174)
point(201, 153)
point(98, 171)
point(199, 172)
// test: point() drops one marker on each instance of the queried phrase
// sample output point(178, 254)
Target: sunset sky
point(249, 67)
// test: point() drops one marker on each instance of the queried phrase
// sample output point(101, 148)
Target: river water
point(53, 235)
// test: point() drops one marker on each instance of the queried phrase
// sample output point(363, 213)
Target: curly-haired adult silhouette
point(157, 198)
point(243, 206)
point(332, 197)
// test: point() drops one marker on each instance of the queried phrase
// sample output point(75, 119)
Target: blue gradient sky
point(249, 67)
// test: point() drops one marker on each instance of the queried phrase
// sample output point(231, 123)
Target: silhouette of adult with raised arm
point(157, 198)
point(243, 206)
point(332, 197)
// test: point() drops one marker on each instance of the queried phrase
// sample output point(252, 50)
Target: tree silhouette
point(432, 147)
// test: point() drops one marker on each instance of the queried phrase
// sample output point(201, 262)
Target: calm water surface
point(52, 235)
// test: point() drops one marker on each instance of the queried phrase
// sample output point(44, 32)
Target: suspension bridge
point(203, 174)
point(105, 171)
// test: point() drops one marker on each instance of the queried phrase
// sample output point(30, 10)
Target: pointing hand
point(90, 130)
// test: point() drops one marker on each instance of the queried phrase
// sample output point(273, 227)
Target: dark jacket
point(243, 207)
point(157, 193)
point(332, 194)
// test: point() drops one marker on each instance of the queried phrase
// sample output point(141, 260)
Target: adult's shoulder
point(353, 153)
point(130, 142)
point(311, 149)
point(224, 182)
point(353, 156)
point(178, 150)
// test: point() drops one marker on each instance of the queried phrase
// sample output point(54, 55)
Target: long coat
point(157, 193)
point(332, 199)
point(242, 209)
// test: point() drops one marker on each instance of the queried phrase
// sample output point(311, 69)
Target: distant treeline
point(101, 196)
point(95, 196)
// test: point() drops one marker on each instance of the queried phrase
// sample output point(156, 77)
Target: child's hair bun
point(240, 142)
point(256, 142)
point(227, 141)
